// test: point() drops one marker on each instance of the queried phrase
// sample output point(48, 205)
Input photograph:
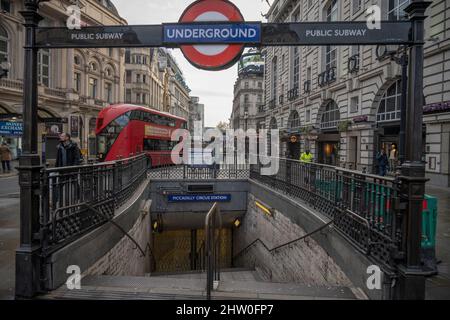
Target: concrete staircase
point(235, 284)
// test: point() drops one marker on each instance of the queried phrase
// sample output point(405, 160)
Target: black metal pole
point(411, 282)
point(404, 64)
point(27, 255)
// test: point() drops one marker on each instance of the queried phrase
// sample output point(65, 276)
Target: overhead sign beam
point(336, 33)
point(250, 34)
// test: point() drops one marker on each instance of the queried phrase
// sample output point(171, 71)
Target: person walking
point(383, 163)
point(68, 152)
point(6, 157)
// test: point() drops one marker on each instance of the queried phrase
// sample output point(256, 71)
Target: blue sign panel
point(210, 33)
point(200, 198)
point(8, 128)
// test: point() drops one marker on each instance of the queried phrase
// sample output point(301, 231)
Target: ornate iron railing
point(161, 170)
point(77, 199)
point(361, 205)
point(326, 77)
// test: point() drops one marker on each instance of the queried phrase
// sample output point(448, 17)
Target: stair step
point(157, 288)
point(242, 274)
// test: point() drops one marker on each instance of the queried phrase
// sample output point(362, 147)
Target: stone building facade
point(196, 113)
point(343, 102)
point(74, 85)
point(248, 101)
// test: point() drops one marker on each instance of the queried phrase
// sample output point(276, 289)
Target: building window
point(357, 4)
point(144, 78)
point(246, 84)
point(128, 95)
point(260, 85)
point(246, 98)
point(127, 56)
point(138, 98)
point(109, 72)
point(138, 78)
point(3, 44)
point(77, 82)
point(396, 10)
point(77, 60)
point(108, 92)
point(274, 78)
point(330, 116)
point(308, 116)
point(296, 78)
point(144, 98)
point(128, 76)
point(93, 87)
point(5, 5)
point(44, 67)
point(294, 120)
point(354, 104)
point(389, 109)
point(331, 51)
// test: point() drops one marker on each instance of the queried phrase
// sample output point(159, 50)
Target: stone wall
point(302, 262)
point(124, 258)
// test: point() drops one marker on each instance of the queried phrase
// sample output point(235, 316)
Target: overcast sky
point(215, 89)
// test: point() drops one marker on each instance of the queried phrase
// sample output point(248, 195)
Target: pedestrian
point(68, 152)
point(6, 157)
point(383, 163)
point(306, 157)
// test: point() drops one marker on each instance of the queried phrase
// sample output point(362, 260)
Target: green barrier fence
point(375, 193)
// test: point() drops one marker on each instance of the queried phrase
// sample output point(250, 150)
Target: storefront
point(328, 145)
point(329, 139)
point(11, 132)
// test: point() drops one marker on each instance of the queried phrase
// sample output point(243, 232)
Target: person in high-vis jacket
point(306, 157)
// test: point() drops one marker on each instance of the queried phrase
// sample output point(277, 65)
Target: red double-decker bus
point(123, 130)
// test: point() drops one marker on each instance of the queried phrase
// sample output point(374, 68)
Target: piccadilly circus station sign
point(212, 34)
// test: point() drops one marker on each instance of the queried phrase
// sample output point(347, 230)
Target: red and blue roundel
point(212, 57)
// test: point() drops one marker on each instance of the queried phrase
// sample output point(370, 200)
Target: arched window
point(273, 124)
point(294, 120)
point(93, 67)
point(330, 115)
point(389, 109)
point(3, 44)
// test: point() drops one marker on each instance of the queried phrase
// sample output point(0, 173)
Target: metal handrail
point(213, 226)
point(285, 244)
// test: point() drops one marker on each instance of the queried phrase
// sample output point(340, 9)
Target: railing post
point(27, 255)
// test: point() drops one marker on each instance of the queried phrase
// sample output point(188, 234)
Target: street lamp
point(5, 66)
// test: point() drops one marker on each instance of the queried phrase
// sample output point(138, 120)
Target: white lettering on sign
point(337, 33)
point(210, 33)
point(97, 36)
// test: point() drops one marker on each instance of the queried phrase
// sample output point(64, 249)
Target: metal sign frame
point(30, 271)
point(271, 34)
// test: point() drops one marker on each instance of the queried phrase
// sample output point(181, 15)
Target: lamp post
point(411, 282)
point(28, 272)
point(5, 66)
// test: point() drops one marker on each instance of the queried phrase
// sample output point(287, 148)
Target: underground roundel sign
point(212, 56)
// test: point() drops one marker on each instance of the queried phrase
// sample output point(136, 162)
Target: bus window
point(158, 145)
point(108, 136)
